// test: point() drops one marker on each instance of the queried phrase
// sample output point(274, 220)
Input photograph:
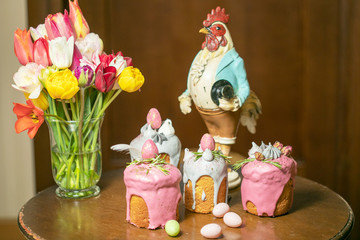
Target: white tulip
point(89, 45)
point(61, 51)
point(38, 32)
point(26, 80)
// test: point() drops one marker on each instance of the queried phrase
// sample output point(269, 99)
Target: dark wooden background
point(302, 60)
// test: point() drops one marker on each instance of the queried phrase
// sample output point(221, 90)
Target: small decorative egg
point(172, 228)
point(149, 150)
point(287, 150)
point(207, 141)
point(278, 145)
point(259, 156)
point(232, 219)
point(220, 209)
point(153, 118)
point(211, 230)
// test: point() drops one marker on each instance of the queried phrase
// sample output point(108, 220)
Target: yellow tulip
point(40, 102)
point(131, 79)
point(62, 85)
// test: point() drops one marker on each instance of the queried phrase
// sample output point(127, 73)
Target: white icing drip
point(203, 196)
point(271, 152)
point(193, 170)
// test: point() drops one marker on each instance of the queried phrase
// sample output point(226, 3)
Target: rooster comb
point(216, 15)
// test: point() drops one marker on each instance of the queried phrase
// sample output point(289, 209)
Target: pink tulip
point(77, 18)
point(76, 58)
point(59, 25)
point(23, 46)
point(41, 52)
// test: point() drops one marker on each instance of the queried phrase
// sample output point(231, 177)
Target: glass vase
point(75, 156)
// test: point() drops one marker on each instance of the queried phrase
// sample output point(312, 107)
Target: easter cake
point(267, 187)
point(204, 177)
point(163, 135)
point(152, 189)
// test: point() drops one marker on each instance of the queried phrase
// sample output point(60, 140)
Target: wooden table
point(317, 213)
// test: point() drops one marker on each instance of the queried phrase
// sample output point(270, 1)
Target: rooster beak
point(204, 30)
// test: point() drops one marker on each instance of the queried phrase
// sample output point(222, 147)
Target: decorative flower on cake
point(67, 79)
point(265, 153)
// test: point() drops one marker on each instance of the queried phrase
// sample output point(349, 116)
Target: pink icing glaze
point(263, 183)
point(160, 192)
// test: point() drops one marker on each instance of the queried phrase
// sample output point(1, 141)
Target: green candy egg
point(172, 228)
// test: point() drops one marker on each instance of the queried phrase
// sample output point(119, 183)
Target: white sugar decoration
point(255, 148)
point(207, 155)
point(271, 152)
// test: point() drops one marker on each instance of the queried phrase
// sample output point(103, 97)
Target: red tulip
point(105, 77)
point(41, 52)
point(59, 25)
point(29, 118)
point(77, 18)
point(23, 46)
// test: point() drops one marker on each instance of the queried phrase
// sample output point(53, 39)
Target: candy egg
point(172, 228)
point(220, 209)
point(232, 219)
point(278, 145)
point(207, 142)
point(286, 150)
point(149, 150)
point(259, 156)
point(153, 118)
point(211, 230)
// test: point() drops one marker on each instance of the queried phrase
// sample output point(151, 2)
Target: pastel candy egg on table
point(172, 228)
point(149, 150)
point(211, 230)
point(207, 142)
point(220, 209)
point(153, 118)
point(232, 219)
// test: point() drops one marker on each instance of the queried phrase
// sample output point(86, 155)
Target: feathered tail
point(250, 111)
point(126, 148)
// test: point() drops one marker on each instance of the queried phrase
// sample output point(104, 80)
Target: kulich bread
point(206, 184)
point(139, 213)
point(267, 187)
point(152, 197)
point(283, 205)
point(210, 179)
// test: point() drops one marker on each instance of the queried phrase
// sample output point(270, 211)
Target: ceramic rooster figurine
point(218, 86)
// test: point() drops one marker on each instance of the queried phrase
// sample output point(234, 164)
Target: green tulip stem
point(80, 143)
point(107, 103)
point(65, 110)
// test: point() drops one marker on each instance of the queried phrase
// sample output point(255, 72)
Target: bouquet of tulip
point(69, 81)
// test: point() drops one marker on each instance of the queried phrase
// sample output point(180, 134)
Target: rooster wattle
point(218, 86)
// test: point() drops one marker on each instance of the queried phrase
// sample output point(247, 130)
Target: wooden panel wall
point(302, 60)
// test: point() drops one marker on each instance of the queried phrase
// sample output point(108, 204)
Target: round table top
point(317, 213)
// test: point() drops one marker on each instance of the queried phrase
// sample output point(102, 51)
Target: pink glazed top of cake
point(263, 183)
point(160, 192)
